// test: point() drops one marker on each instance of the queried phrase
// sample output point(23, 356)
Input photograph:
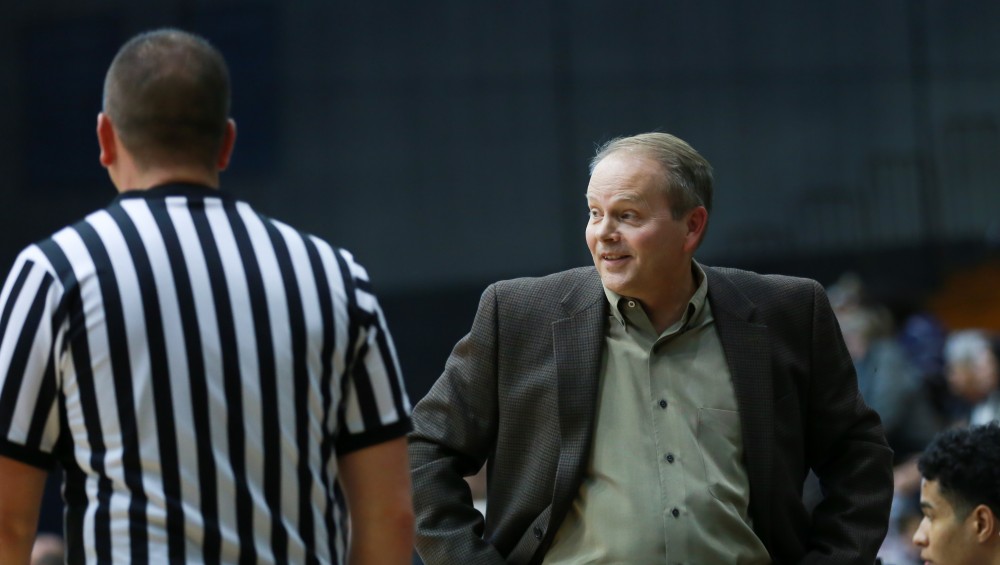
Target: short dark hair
point(688, 174)
point(966, 464)
point(167, 96)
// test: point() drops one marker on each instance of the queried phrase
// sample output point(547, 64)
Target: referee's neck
point(149, 178)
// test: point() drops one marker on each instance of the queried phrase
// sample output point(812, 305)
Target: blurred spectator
point(971, 366)
point(888, 380)
point(922, 336)
point(892, 373)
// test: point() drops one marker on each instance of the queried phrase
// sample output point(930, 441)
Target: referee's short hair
point(167, 96)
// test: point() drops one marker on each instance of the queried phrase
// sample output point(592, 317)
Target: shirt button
point(669, 458)
point(663, 403)
point(631, 303)
point(675, 512)
point(538, 533)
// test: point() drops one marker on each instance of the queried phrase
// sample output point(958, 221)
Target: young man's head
point(960, 498)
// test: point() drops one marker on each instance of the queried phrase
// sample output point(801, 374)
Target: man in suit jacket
point(650, 409)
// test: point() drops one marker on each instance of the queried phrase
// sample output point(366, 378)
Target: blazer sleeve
point(847, 451)
point(454, 431)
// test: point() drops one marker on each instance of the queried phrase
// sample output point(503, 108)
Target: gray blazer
point(519, 393)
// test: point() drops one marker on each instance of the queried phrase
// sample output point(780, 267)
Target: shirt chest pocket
point(721, 447)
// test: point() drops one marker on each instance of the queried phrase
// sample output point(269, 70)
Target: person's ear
point(228, 141)
point(106, 140)
point(985, 523)
point(695, 222)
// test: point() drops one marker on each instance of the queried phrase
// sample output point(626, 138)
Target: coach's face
point(637, 245)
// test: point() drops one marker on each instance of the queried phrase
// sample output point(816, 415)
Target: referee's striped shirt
point(196, 368)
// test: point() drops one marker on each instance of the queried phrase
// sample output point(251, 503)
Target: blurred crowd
point(921, 378)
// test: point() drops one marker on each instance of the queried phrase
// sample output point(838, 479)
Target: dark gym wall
point(446, 143)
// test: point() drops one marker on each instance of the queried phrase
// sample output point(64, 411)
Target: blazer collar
point(584, 293)
point(723, 294)
point(578, 342)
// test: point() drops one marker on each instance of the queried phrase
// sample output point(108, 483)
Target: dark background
point(446, 143)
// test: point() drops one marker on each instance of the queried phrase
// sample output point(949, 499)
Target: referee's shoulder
point(322, 244)
point(55, 251)
point(334, 259)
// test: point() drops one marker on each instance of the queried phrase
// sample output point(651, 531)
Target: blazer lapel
point(578, 341)
point(748, 354)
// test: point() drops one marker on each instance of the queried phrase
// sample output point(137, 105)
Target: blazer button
point(538, 533)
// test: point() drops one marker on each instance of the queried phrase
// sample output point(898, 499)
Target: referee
point(218, 386)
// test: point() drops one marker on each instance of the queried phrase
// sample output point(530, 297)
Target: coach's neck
point(126, 174)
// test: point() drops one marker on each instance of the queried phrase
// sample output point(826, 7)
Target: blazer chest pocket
point(720, 444)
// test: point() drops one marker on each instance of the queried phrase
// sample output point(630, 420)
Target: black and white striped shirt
point(196, 368)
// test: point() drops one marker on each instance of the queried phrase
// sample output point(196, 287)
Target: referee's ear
point(106, 140)
point(228, 141)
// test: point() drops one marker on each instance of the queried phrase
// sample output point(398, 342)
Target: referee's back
point(218, 386)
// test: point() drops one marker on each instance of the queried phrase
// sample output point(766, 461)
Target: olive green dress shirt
point(665, 480)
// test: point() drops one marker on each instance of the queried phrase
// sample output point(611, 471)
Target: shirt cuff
point(27, 455)
point(349, 443)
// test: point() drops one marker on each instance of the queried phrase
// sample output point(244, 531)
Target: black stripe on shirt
point(326, 359)
point(299, 337)
point(359, 374)
point(46, 398)
point(364, 391)
point(341, 509)
point(121, 371)
point(22, 353)
point(75, 481)
point(232, 384)
point(163, 402)
point(270, 425)
point(209, 503)
point(353, 313)
point(15, 291)
point(15, 378)
point(389, 360)
point(364, 285)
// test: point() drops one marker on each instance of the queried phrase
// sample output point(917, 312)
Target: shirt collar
point(694, 314)
point(189, 190)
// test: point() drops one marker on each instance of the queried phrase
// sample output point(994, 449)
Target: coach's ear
point(106, 140)
point(695, 222)
point(985, 522)
point(228, 142)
